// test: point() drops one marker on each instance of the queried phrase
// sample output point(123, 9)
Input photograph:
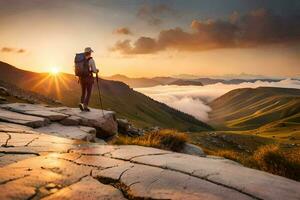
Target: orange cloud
point(122, 31)
point(12, 50)
point(253, 29)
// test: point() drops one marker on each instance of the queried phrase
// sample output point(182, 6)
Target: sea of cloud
point(194, 99)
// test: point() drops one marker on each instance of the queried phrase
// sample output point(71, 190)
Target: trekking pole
point(99, 93)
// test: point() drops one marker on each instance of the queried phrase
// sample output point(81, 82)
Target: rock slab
point(73, 132)
point(27, 120)
point(104, 122)
point(40, 166)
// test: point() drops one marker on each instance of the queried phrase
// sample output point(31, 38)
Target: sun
point(54, 70)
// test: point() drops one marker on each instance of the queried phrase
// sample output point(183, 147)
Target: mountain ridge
point(127, 103)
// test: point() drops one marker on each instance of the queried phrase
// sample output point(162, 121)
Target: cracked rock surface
point(34, 165)
point(61, 121)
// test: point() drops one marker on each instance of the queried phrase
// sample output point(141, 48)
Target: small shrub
point(232, 155)
point(164, 139)
point(271, 159)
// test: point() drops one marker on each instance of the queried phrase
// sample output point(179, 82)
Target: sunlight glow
point(54, 70)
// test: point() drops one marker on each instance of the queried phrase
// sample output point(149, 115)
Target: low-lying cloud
point(253, 29)
point(194, 99)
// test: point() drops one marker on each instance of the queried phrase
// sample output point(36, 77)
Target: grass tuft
point(272, 159)
point(163, 139)
point(231, 155)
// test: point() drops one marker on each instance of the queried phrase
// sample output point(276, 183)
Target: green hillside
point(247, 108)
point(117, 96)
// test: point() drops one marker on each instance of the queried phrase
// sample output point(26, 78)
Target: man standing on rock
point(84, 68)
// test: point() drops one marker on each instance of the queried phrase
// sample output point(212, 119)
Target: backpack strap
point(87, 63)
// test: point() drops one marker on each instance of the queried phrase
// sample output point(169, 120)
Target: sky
point(142, 38)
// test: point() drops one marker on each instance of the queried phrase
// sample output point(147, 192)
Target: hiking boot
point(86, 109)
point(81, 106)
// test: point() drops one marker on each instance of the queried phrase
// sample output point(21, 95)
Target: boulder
point(27, 120)
point(71, 121)
point(192, 149)
point(123, 125)
point(104, 122)
point(72, 132)
point(4, 91)
point(126, 128)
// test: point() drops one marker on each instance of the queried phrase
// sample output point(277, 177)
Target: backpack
point(81, 65)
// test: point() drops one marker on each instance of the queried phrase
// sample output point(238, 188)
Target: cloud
point(123, 31)
point(194, 99)
point(153, 13)
point(256, 28)
point(12, 50)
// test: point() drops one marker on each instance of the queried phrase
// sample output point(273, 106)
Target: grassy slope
point(250, 118)
point(116, 96)
point(246, 109)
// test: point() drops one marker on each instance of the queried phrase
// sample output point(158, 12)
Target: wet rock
point(192, 149)
point(87, 188)
point(27, 120)
point(8, 159)
point(72, 132)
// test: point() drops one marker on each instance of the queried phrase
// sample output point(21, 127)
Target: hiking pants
point(86, 89)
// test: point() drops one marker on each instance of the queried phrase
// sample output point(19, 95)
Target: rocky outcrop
point(40, 166)
point(192, 149)
point(27, 120)
point(37, 115)
point(35, 110)
point(126, 128)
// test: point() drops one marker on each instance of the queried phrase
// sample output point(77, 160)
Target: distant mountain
point(186, 82)
point(150, 82)
point(263, 107)
point(141, 82)
point(244, 76)
point(209, 81)
point(117, 96)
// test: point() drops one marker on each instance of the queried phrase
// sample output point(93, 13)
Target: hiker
point(84, 69)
